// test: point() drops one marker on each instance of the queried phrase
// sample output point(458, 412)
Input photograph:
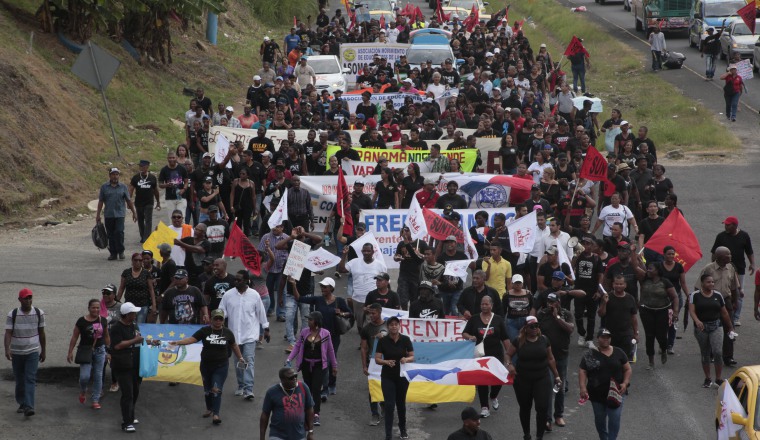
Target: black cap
point(213, 208)
point(603, 332)
point(383, 275)
point(470, 413)
point(144, 162)
point(180, 273)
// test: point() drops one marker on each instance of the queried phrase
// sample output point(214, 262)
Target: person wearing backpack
point(25, 348)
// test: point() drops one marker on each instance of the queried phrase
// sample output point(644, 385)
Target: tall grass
point(282, 11)
point(620, 76)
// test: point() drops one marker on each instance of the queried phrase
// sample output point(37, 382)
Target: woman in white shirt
point(613, 213)
point(436, 87)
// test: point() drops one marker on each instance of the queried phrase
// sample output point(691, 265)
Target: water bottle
point(557, 386)
point(634, 349)
point(327, 240)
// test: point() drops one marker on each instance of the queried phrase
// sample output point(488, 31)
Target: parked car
point(463, 7)
point(745, 382)
point(330, 75)
point(738, 39)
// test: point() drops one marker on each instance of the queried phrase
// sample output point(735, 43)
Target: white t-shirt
point(563, 238)
point(611, 215)
point(363, 275)
point(436, 89)
point(178, 254)
point(540, 168)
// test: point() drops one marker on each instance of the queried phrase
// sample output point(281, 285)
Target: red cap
point(731, 221)
point(23, 293)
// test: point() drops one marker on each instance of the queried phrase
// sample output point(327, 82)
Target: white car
point(738, 39)
point(330, 76)
point(418, 54)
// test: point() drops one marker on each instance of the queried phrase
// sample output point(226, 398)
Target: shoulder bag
point(480, 349)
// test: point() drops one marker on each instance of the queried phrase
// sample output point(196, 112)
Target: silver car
point(738, 39)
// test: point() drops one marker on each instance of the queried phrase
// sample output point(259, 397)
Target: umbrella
point(596, 107)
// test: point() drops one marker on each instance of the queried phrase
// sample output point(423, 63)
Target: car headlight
point(739, 46)
point(339, 83)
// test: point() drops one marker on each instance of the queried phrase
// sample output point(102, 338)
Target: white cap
point(230, 109)
point(623, 122)
point(128, 307)
point(489, 54)
point(542, 45)
point(256, 78)
point(531, 320)
point(409, 81)
point(266, 38)
point(327, 282)
point(517, 278)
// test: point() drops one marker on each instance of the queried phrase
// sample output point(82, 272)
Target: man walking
point(363, 270)
point(710, 50)
point(738, 242)
point(657, 46)
point(125, 361)
point(173, 178)
point(145, 185)
point(113, 195)
point(289, 407)
point(245, 316)
point(25, 348)
point(470, 427)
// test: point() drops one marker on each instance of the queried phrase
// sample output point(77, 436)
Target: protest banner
point(221, 150)
point(360, 168)
point(296, 259)
point(744, 69)
point(379, 99)
point(356, 56)
point(162, 234)
point(321, 259)
point(457, 268)
point(522, 233)
point(239, 245)
point(368, 237)
point(466, 158)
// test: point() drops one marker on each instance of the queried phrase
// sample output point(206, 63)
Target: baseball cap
point(623, 167)
point(218, 313)
point(587, 239)
point(144, 162)
point(164, 247)
point(361, 225)
point(603, 332)
point(470, 413)
point(558, 275)
point(731, 220)
point(731, 66)
point(517, 278)
point(114, 170)
point(535, 187)
point(429, 181)
point(108, 289)
point(426, 285)
point(267, 153)
point(24, 293)
point(180, 273)
point(128, 308)
point(552, 297)
point(327, 282)
point(531, 320)
point(213, 208)
point(279, 78)
point(359, 182)
point(383, 275)
point(489, 54)
point(408, 81)
point(256, 78)
point(623, 122)
point(147, 252)
point(624, 245)
point(543, 45)
point(205, 155)
point(230, 108)
point(451, 238)
point(266, 38)
point(551, 250)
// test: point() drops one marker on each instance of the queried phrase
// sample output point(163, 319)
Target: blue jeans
point(203, 217)
point(86, 372)
point(450, 300)
point(273, 284)
point(25, 371)
point(214, 377)
point(656, 60)
point(142, 315)
point(673, 329)
point(732, 102)
point(290, 306)
point(513, 327)
point(579, 73)
point(191, 212)
point(245, 375)
point(559, 398)
point(709, 65)
point(607, 420)
point(115, 230)
point(330, 380)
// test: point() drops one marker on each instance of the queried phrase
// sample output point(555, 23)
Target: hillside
point(56, 142)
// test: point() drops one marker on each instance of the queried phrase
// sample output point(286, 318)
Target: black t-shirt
point(454, 201)
point(259, 145)
point(167, 274)
point(547, 270)
point(126, 358)
point(144, 187)
point(533, 362)
point(629, 273)
point(193, 260)
point(587, 270)
point(738, 244)
point(619, 312)
point(462, 434)
point(390, 300)
point(386, 195)
point(674, 275)
point(409, 266)
point(508, 157)
point(91, 332)
point(558, 337)
point(217, 344)
point(450, 283)
point(215, 289)
point(394, 350)
point(649, 226)
point(216, 234)
point(176, 176)
point(418, 144)
point(497, 333)
point(600, 369)
point(427, 310)
point(517, 306)
point(410, 187)
point(183, 306)
point(707, 308)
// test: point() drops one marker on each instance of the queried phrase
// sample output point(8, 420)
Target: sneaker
point(248, 396)
point(82, 398)
point(404, 435)
point(114, 388)
point(95, 405)
point(718, 382)
point(707, 383)
point(238, 392)
point(484, 412)
point(21, 409)
point(664, 357)
point(670, 351)
point(433, 406)
point(121, 255)
point(135, 422)
point(375, 420)
point(280, 319)
point(316, 420)
point(337, 274)
point(581, 341)
point(128, 428)
point(591, 345)
point(289, 349)
point(737, 323)
point(323, 397)
point(28, 412)
point(112, 257)
point(495, 404)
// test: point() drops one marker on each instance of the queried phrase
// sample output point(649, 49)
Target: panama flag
point(175, 363)
point(482, 371)
point(488, 190)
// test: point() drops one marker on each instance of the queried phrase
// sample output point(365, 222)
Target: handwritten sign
point(433, 330)
point(320, 260)
point(296, 260)
point(744, 69)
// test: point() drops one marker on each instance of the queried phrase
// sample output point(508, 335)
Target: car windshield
point(324, 66)
point(742, 29)
point(723, 9)
point(464, 4)
point(419, 56)
point(374, 4)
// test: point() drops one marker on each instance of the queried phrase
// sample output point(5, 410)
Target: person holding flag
point(579, 61)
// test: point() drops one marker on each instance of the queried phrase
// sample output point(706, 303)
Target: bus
point(668, 15)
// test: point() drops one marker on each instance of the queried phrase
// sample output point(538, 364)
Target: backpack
point(15, 312)
point(99, 236)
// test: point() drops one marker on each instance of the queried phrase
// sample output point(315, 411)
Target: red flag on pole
point(382, 21)
point(748, 14)
point(295, 21)
point(594, 166)
point(676, 232)
point(344, 206)
point(575, 47)
point(238, 245)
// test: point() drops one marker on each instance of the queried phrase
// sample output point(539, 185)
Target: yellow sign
point(349, 55)
point(466, 157)
point(162, 234)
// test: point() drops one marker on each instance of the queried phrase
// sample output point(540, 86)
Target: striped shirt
point(299, 202)
point(280, 255)
point(25, 338)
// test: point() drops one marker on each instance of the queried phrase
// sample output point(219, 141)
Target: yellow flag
point(162, 234)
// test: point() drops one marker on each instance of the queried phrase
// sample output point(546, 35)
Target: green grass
point(621, 78)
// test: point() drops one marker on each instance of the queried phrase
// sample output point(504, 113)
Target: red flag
point(748, 14)
point(594, 166)
point(676, 232)
point(575, 47)
point(554, 109)
point(418, 14)
point(439, 11)
point(295, 21)
point(343, 205)
point(518, 26)
point(382, 22)
point(239, 245)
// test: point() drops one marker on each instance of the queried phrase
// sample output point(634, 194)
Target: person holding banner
point(393, 350)
point(410, 259)
point(218, 345)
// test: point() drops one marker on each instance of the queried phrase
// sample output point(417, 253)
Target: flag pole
point(572, 199)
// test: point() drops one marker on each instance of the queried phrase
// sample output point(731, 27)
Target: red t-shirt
point(737, 82)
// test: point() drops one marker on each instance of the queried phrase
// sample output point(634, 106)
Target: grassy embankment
point(621, 77)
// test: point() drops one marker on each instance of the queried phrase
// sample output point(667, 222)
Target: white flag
point(415, 220)
point(281, 212)
point(457, 268)
point(563, 258)
point(321, 259)
point(389, 313)
point(221, 150)
point(729, 404)
point(522, 233)
point(368, 237)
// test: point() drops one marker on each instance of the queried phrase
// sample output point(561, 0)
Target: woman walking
point(531, 372)
point(92, 332)
point(137, 288)
point(707, 309)
point(488, 328)
point(517, 304)
point(393, 350)
point(598, 368)
point(732, 91)
point(658, 309)
point(674, 272)
point(243, 201)
point(218, 345)
point(314, 353)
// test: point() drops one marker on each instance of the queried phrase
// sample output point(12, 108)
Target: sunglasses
point(177, 216)
point(533, 326)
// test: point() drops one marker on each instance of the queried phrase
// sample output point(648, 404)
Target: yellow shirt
point(501, 271)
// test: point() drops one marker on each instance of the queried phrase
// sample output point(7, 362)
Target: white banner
point(380, 99)
point(458, 268)
point(744, 69)
point(729, 403)
point(563, 258)
point(386, 224)
point(296, 259)
point(368, 237)
point(356, 56)
point(433, 330)
point(415, 220)
point(221, 150)
point(522, 233)
point(281, 212)
point(320, 259)
point(390, 313)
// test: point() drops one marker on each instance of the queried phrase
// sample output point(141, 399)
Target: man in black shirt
point(618, 311)
point(739, 243)
point(183, 304)
point(626, 266)
point(469, 300)
point(427, 306)
point(409, 256)
point(710, 49)
point(260, 144)
point(451, 200)
point(470, 427)
point(218, 284)
point(145, 185)
point(556, 324)
point(359, 200)
point(451, 287)
point(383, 295)
point(415, 142)
point(195, 248)
point(588, 276)
point(346, 152)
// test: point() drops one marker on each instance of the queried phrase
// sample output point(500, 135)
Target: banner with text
point(380, 99)
point(356, 56)
point(370, 156)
